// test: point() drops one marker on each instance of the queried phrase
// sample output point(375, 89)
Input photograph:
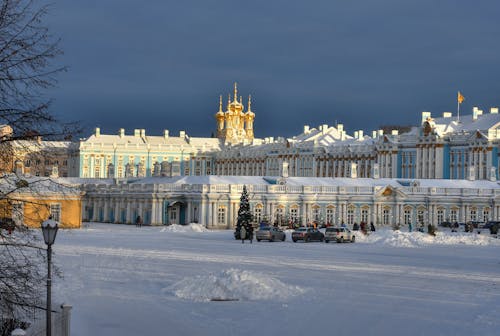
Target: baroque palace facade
point(444, 169)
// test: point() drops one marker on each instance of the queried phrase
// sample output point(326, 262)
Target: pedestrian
point(410, 228)
point(372, 227)
point(243, 234)
point(342, 224)
point(138, 221)
point(355, 227)
point(249, 230)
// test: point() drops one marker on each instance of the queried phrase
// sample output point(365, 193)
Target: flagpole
point(458, 111)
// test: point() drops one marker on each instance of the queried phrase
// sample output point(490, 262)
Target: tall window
point(279, 215)
point(473, 214)
point(221, 215)
point(486, 214)
point(420, 217)
point(55, 212)
point(440, 216)
point(258, 213)
point(315, 213)
point(350, 215)
point(294, 215)
point(453, 215)
point(386, 216)
point(330, 215)
point(364, 215)
point(407, 216)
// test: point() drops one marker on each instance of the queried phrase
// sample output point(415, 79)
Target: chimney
point(374, 134)
point(97, 131)
point(137, 132)
point(360, 134)
point(324, 128)
point(380, 132)
point(143, 133)
point(494, 110)
point(165, 134)
point(447, 114)
point(356, 136)
point(121, 132)
point(394, 132)
point(476, 112)
point(340, 128)
point(182, 134)
point(425, 115)
point(306, 129)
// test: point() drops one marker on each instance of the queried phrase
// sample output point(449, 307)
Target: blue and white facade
point(447, 147)
point(214, 201)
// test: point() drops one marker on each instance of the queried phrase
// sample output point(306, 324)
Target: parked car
point(340, 235)
point(307, 234)
point(270, 233)
point(477, 224)
point(490, 224)
point(493, 226)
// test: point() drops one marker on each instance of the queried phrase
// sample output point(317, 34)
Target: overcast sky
point(161, 64)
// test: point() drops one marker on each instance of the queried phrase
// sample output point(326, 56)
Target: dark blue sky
point(162, 64)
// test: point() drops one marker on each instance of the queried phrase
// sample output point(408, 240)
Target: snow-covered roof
point(467, 123)
point(35, 185)
point(299, 181)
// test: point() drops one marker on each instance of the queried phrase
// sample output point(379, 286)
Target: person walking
point(410, 228)
point(138, 221)
point(372, 227)
point(249, 230)
point(243, 234)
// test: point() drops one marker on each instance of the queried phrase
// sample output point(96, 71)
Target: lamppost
point(49, 230)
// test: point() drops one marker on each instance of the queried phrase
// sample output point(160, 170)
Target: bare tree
point(27, 53)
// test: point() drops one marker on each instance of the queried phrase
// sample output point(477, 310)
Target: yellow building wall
point(37, 210)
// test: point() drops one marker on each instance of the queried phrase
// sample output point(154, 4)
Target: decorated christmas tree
point(244, 214)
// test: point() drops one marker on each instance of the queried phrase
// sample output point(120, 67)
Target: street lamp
point(49, 230)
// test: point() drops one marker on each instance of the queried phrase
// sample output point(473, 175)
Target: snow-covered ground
point(123, 280)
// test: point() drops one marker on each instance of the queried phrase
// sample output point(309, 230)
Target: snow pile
point(234, 284)
point(418, 239)
point(193, 227)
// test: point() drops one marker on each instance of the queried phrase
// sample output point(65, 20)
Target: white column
point(203, 211)
point(188, 211)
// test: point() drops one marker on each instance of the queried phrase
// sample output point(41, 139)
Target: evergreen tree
point(244, 214)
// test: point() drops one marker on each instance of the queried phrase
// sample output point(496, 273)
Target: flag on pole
point(460, 98)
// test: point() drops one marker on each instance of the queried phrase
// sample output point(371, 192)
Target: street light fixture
point(49, 230)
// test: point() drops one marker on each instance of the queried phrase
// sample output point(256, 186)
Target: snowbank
point(234, 284)
point(419, 239)
point(193, 227)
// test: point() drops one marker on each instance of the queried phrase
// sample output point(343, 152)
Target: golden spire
point(241, 100)
point(249, 103)
point(228, 101)
point(235, 92)
point(220, 103)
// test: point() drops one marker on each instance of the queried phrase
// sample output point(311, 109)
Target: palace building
point(443, 169)
point(444, 147)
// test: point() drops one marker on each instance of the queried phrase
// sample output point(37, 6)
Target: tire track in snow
point(290, 262)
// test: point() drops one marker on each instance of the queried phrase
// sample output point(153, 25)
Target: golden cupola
point(234, 126)
point(219, 116)
point(249, 118)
